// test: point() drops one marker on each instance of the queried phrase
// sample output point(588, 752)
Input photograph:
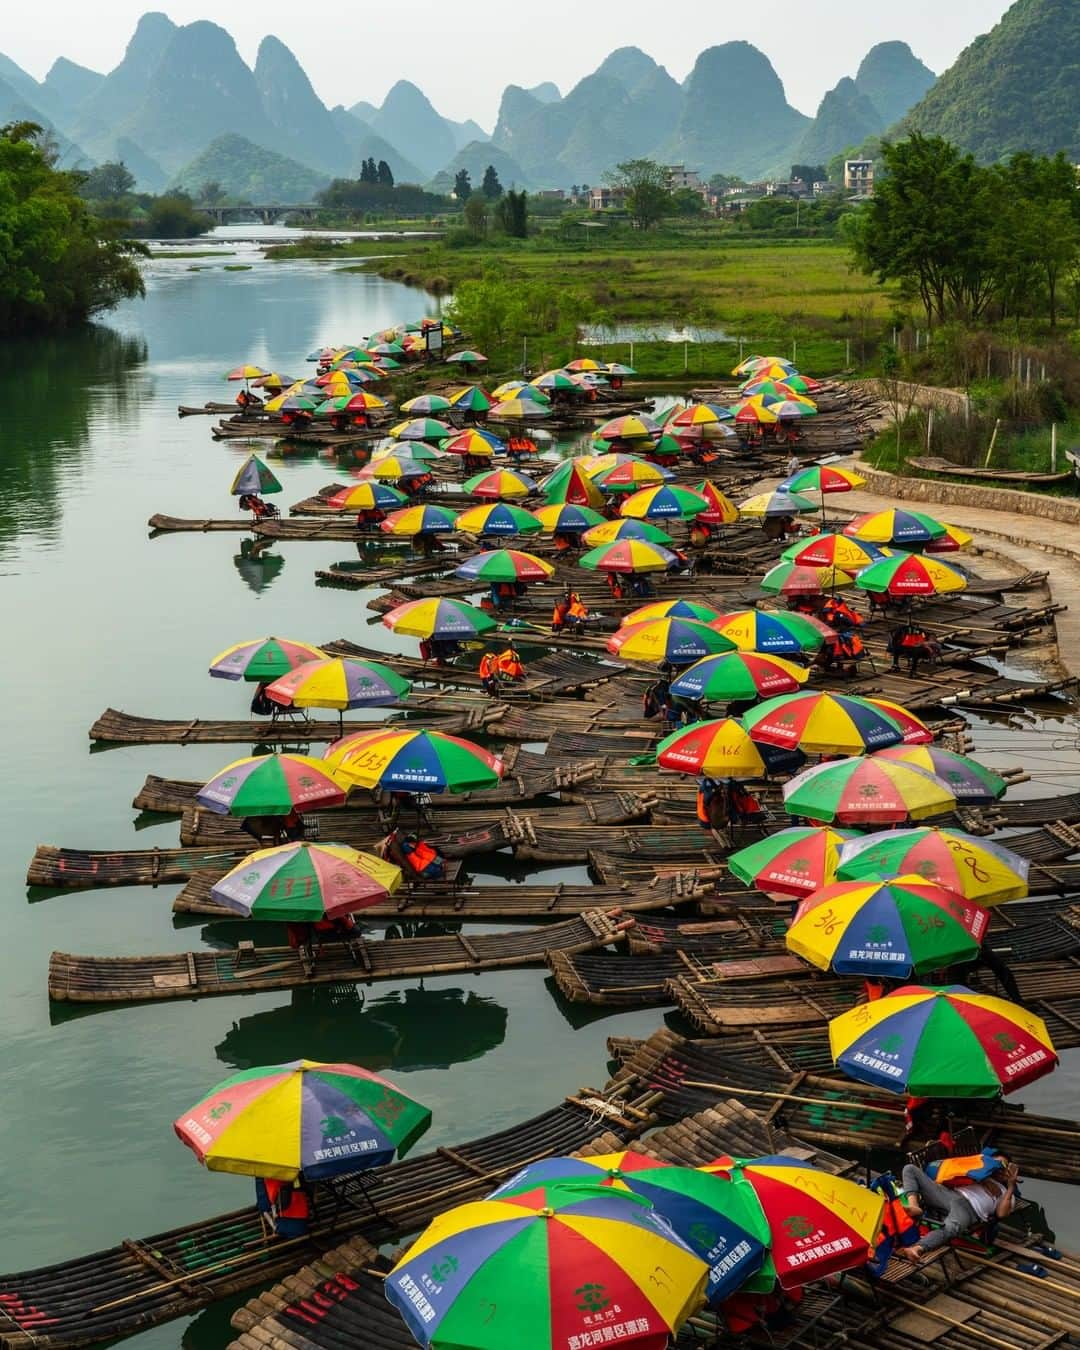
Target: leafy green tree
point(512, 214)
point(644, 184)
point(809, 173)
point(491, 187)
point(462, 185)
point(476, 215)
point(500, 314)
point(173, 217)
point(687, 202)
point(211, 193)
point(107, 182)
point(385, 174)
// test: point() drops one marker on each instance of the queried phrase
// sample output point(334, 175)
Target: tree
point(211, 193)
point(644, 185)
point(173, 217)
point(476, 215)
point(491, 187)
point(385, 174)
point(499, 314)
point(687, 202)
point(512, 214)
point(108, 182)
point(369, 172)
point(462, 185)
point(809, 173)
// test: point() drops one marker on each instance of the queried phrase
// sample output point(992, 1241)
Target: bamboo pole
point(738, 1091)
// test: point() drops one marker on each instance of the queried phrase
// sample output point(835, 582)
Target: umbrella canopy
point(618, 368)
point(247, 373)
point(504, 564)
point(421, 429)
point(674, 609)
point(942, 1042)
point(755, 364)
point(739, 675)
point(254, 476)
point(951, 541)
point(722, 510)
point(910, 574)
point(699, 415)
point(889, 928)
point(341, 683)
point(627, 555)
point(866, 791)
point(519, 410)
point(347, 403)
point(440, 618)
point(679, 641)
point(261, 659)
point(547, 1269)
point(820, 723)
point(608, 531)
point(667, 502)
point(832, 550)
point(292, 403)
point(415, 451)
point(303, 883)
point(570, 485)
point(554, 379)
point(270, 785)
point(976, 868)
point(423, 519)
point(367, 496)
point(904, 529)
point(303, 1119)
point(722, 1223)
point(564, 518)
point(774, 631)
point(716, 749)
point(423, 404)
point(631, 475)
point(823, 478)
point(754, 411)
point(394, 467)
point(796, 861)
point(403, 760)
point(478, 444)
point(793, 407)
point(467, 358)
point(634, 427)
point(500, 483)
point(530, 394)
point(497, 518)
point(788, 578)
point(819, 1223)
point(584, 363)
point(471, 399)
point(778, 503)
point(274, 380)
point(972, 783)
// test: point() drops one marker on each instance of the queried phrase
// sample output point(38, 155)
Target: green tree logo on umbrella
point(333, 1126)
point(593, 1299)
point(442, 1270)
point(798, 1226)
point(702, 1235)
point(220, 1111)
point(891, 1045)
point(878, 934)
point(1005, 1042)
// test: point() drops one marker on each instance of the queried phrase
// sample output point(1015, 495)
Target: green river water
point(97, 615)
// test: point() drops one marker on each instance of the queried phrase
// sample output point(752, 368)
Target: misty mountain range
point(180, 91)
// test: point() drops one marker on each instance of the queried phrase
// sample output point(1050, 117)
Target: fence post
point(1053, 447)
point(524, 355)
point(993, 440)
point(847, 355)
point(929, 428)
point(631, 361)
point(794, 352)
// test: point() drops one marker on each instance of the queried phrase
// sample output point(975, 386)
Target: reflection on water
point(257, 570)
point(408, 1029)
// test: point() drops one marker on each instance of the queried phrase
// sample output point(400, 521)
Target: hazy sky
point(463, 54)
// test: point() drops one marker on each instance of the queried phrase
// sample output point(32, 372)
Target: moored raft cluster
point(746, 715)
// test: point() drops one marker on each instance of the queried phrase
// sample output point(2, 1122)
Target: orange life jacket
point(578, 609)
point(559, 613)
point(298, 1205)
point(744, 802)
point(508, 664)
point(915, 639)
point(850, 645)
point(487, 666)
point(420, 855)
point(703, 809)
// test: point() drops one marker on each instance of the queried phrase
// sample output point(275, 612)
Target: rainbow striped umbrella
point(866, 791)
point(292, 403)
point(635, 427)
point(822, 478)
point(617, 368)
point(415, 450)
point(754, 411)
point(735, 675)
point(608, 531)
point(339, 682)
point(976, 868)
point(497, 518)
point(553, 379)
point(520, 409)
point(901, 528)
point(367, 496)
point(716, 749)
point(509, 388)
point(472, 399)
point(819, 723)
point(478, 444)
point(796, 861)
point(792, 408)
point(389, 348)
point(631, 476)
point(504, 564)
point(680, 641)
point(889, 928)
point(951, 541)
point(545, 1270)
point(254, 476)
point(570, 485)
point(777, 388)
point(423, 519)
point(942, 1042)
point(832, 550)
point(421, 429)
point(303, 1119)
point(972, 783)
point(788, 578)
point(754, 364)
point(303, 883)
point(722, 510)
point(674, 609)
point(774, 631)
point(530, 394)
point(467, 358)
point(423, 404)
point(910, 574)
point(627, 555)
point(246, 373)
point(565, 518)
point(346, 403)
point(584, 363)
point(699, 415)
point(438, 617)
point(395, 468)
point(270, 785)
point(778, 503)
point(260, 659)
point(500, 483)
point(403, 760)
point(667, 502)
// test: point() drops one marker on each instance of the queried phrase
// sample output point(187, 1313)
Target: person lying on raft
point(963, 1206)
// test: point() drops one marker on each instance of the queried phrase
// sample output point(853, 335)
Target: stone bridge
point(305, 213)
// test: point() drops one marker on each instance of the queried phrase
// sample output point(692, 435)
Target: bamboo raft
point(947, 469)
point(142, 1283)
point(128, 979)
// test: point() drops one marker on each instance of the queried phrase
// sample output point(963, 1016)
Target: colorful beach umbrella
point(699, 415)
point(796, 861)
point(866, 791)
point(628, 555)
point(722, 510)
point(423, 519)
point(547, 1269)
point(676, 640)
point(292, 403)
point(405, 760)
point(584, 363)
point(553, 379)
point(910, 574)
point(715, 749)
point(350, 403)
point(415, 451)
point(478, 444)
point(504, 564)
point(777, 632)
point(942, 1042)
point(675, 609)
point(618, 368)
point(519, 410)
point(736, 676)
point(972, 783)
point(261, 659)
point(608, 531)
point(438, 617)
point(499, 483)
point(891, 929)
point(823, 478)
point(303, 883)
point(832, 550)
point(776, 365)
point(471, 399)
point(819, 1223)
point(951, 541)
point(788, 578)
point(423, 404)
point(778, 503)
point(395, 468)
point(270, 785)
point(667, 502)
point(508, 389)
point(467, 358)
point(254, 477)
point(246, 373)
point(304, 1119)
point(900, 528)
point(753, 411)
point(367, 496)
point(564, 518)
point(497, 518)
point(793, 408)
point(631, 476)
point(820, 723)
point(570, 485)
point(421, 429)
point(633, 427)
point(339, 682)
point(976, 868)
